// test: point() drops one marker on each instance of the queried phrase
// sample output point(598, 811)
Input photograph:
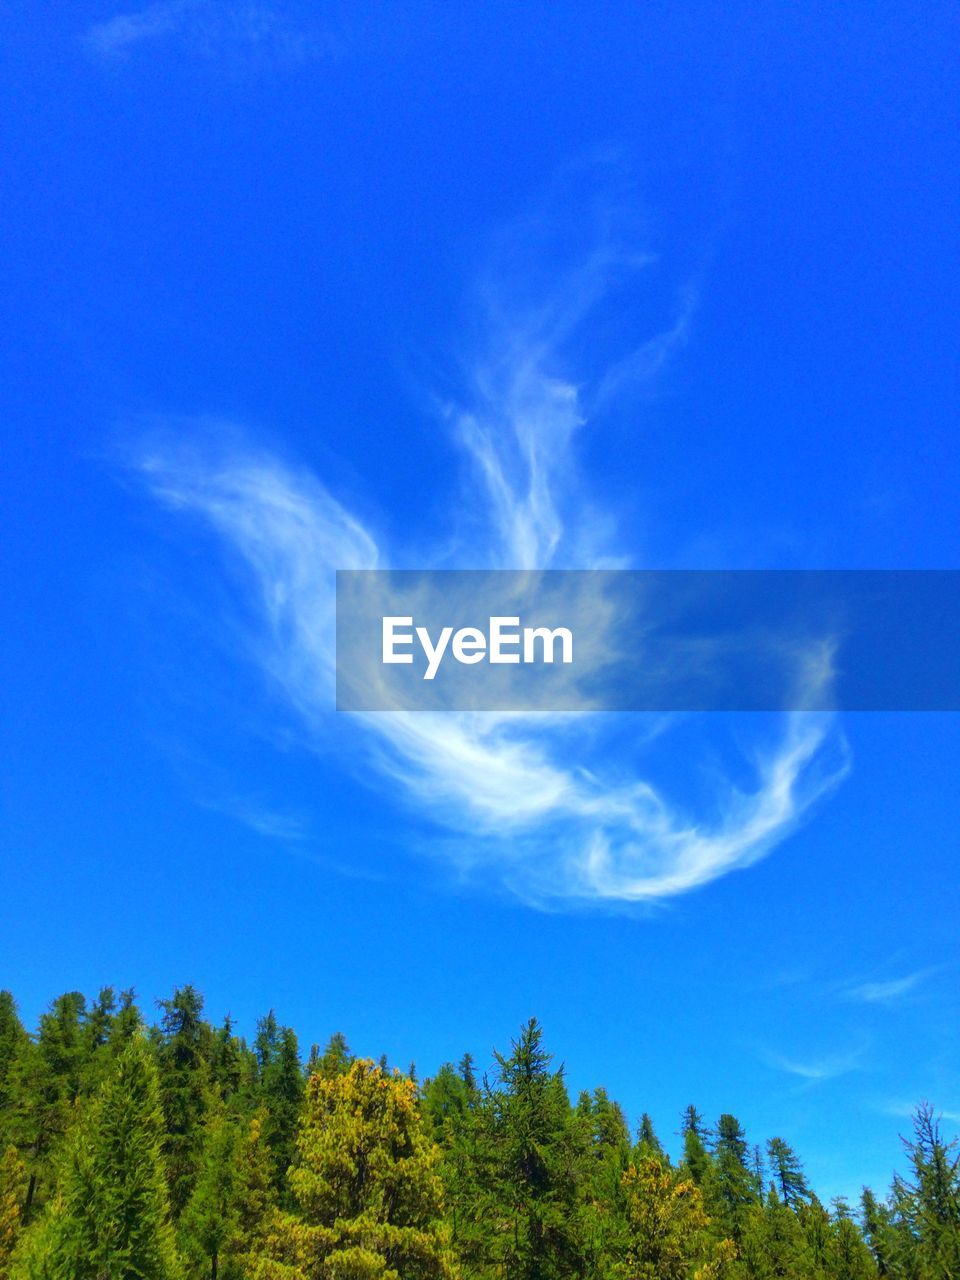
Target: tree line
point(179, 1151)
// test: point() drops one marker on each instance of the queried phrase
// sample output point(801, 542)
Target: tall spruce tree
point(930, 1199)
point(110, 1219)
point(537, 1150)
point(184, 1049)
point(787, 1172)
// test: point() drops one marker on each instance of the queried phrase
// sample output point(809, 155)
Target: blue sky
point(291, 289)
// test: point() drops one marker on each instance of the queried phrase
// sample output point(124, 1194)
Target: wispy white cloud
point(530, 807)
point(889, 991)
point(903, 1110)
point(209, 29)
point(816, 1070)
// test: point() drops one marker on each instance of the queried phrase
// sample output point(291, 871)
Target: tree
point(730, 1188)
point(366, 1186)
point(12, 1186)
point(13, 1037)
point(696, 1158)
point(282, 1092)
point(667, 1227)
point(648, 1144)
point(787, 1172)
point(930, 1201)
point(879, 1231)
point(537, 1153)
point(336, 1058)
point(111, 1215)
point(774, 1244)
point(184, 1053)
point(226, 1214)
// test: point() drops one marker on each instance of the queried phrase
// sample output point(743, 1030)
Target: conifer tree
point(787, 1172)
point(282, 1094)
point(537, 1151)
point(930, 1201)
point(879, 1232)
point(226, 1215)
point(110, 1217)
point(773, 1243)
point(13, 1037)
point(696, 1158)
point(730, 1185)
point(12, 1186)
point(667, 1228)
point(648, 1144)
point(336, 1057)
point(366, 1186)
point(184, 1052)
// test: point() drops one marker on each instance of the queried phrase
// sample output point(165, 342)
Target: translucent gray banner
point(567, 641)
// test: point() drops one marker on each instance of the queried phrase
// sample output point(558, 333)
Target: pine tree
point(773, 1243)
point(931, 1200)
point(282, 1092)
point(787, 1172)
point(226, 1215)
point(848, 1257)
point(648, 1144)
point(366, 1185)
point(696, 1158)
point(879, 1232)
point(730, 1186)
point(537, 1152)
point(110, 1217)
point(335, 1059)
point(13, 1037)
point(184, 1052)
point(608, 1158)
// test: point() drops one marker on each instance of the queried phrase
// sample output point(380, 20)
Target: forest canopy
point(175, 1149)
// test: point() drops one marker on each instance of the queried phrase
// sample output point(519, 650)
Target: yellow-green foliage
point(668, 1228)
point(12, 1182)
point(366, 1185)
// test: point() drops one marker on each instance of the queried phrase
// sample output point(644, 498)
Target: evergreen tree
point(667, 1228)
point(13, 1037)
point(848, 1257)
point(366, 1185)
point(336, 1058)
point(648, 1144)
point(282, 1093)
point(879, 1231)
point(226, 1215)
point(787, 1172)
point(930, 1201)
point(12, 1186)
point(537, 1151)
point(773, 1243)
point(696, 1158)
point(184, 1052)
point(110, 1218)
point(730, 1187)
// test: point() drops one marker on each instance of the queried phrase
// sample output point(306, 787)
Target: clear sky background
point(289, 286)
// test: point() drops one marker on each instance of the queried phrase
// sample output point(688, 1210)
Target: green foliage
point(184, 1054)
point(110, 1217)
point(12, 1187)
point(226, 1215)
point(180, 1153)
point(365, 1184)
